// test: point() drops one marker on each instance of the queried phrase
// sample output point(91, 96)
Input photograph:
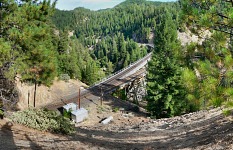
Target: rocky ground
point(199, 130)
point(207, 129)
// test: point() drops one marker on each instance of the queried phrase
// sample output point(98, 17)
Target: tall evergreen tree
point(5, 50)
point(27, 41)
point(164, 88)
point(31, 38)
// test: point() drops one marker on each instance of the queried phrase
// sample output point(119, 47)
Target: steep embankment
point(46, 95)
point(200, 130)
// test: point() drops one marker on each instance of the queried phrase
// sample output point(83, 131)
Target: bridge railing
point(117, 72)
point(103, 80)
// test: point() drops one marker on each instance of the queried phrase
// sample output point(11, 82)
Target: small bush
point(116, 109)
point(67, 114)
point(1, 114)
point(217, 102)
point(64, 77)
point(227, 112)
point(44, 120)
point(100, 109)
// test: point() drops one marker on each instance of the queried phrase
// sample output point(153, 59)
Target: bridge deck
point(92, 95)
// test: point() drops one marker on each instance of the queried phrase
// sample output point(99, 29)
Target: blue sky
point(91, 4)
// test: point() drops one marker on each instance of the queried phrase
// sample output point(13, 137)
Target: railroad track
point(92, 94)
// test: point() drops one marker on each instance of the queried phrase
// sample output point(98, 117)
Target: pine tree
point(92, 72)
point(164, 88)
point(209, 14)
point(30, 48)
point(214, 82)
point(114, 54)
point(5, 50)
point(31, 38)
point(109, 68)
point(127, 60)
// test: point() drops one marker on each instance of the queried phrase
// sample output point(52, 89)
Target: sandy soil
point(46, 95)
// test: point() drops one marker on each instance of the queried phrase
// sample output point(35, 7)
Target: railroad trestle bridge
point(124, 78)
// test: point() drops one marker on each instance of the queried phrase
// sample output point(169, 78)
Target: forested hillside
point(33, 51)
point(39, 43)
point(136, 19)
point(198, 75)
point(36, 44)
point(111, 34)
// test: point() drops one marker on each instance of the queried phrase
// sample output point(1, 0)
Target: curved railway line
point(92, 94)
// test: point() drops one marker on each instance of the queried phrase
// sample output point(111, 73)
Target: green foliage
point(135, 19)
point(91, 72)
point(30, 41)
point(106, 33)
point(1, 113)
point(74, 59)
point(67, 114)
point(5, 50)
point(115, 53)
point(32, 47)
point(44, 120)
point(120, 93)
point(64, 77)
point(212, 85)
point(100, 109)
point(127, 3)
point(192, 87)
point(227, 112)
point(166, 94)
point(115, 109)
point(208, 14)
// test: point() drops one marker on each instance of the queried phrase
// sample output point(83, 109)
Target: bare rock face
point(187, 37)
point(137, 91)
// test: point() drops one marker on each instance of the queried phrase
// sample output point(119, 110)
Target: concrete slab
point(79, 115)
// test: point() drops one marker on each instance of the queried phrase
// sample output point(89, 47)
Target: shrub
point(67, 114)
point(43, 120)
point(116, 109)
point(1, 114)
point(100, 109)
point(227, 112)
point(64, 77)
